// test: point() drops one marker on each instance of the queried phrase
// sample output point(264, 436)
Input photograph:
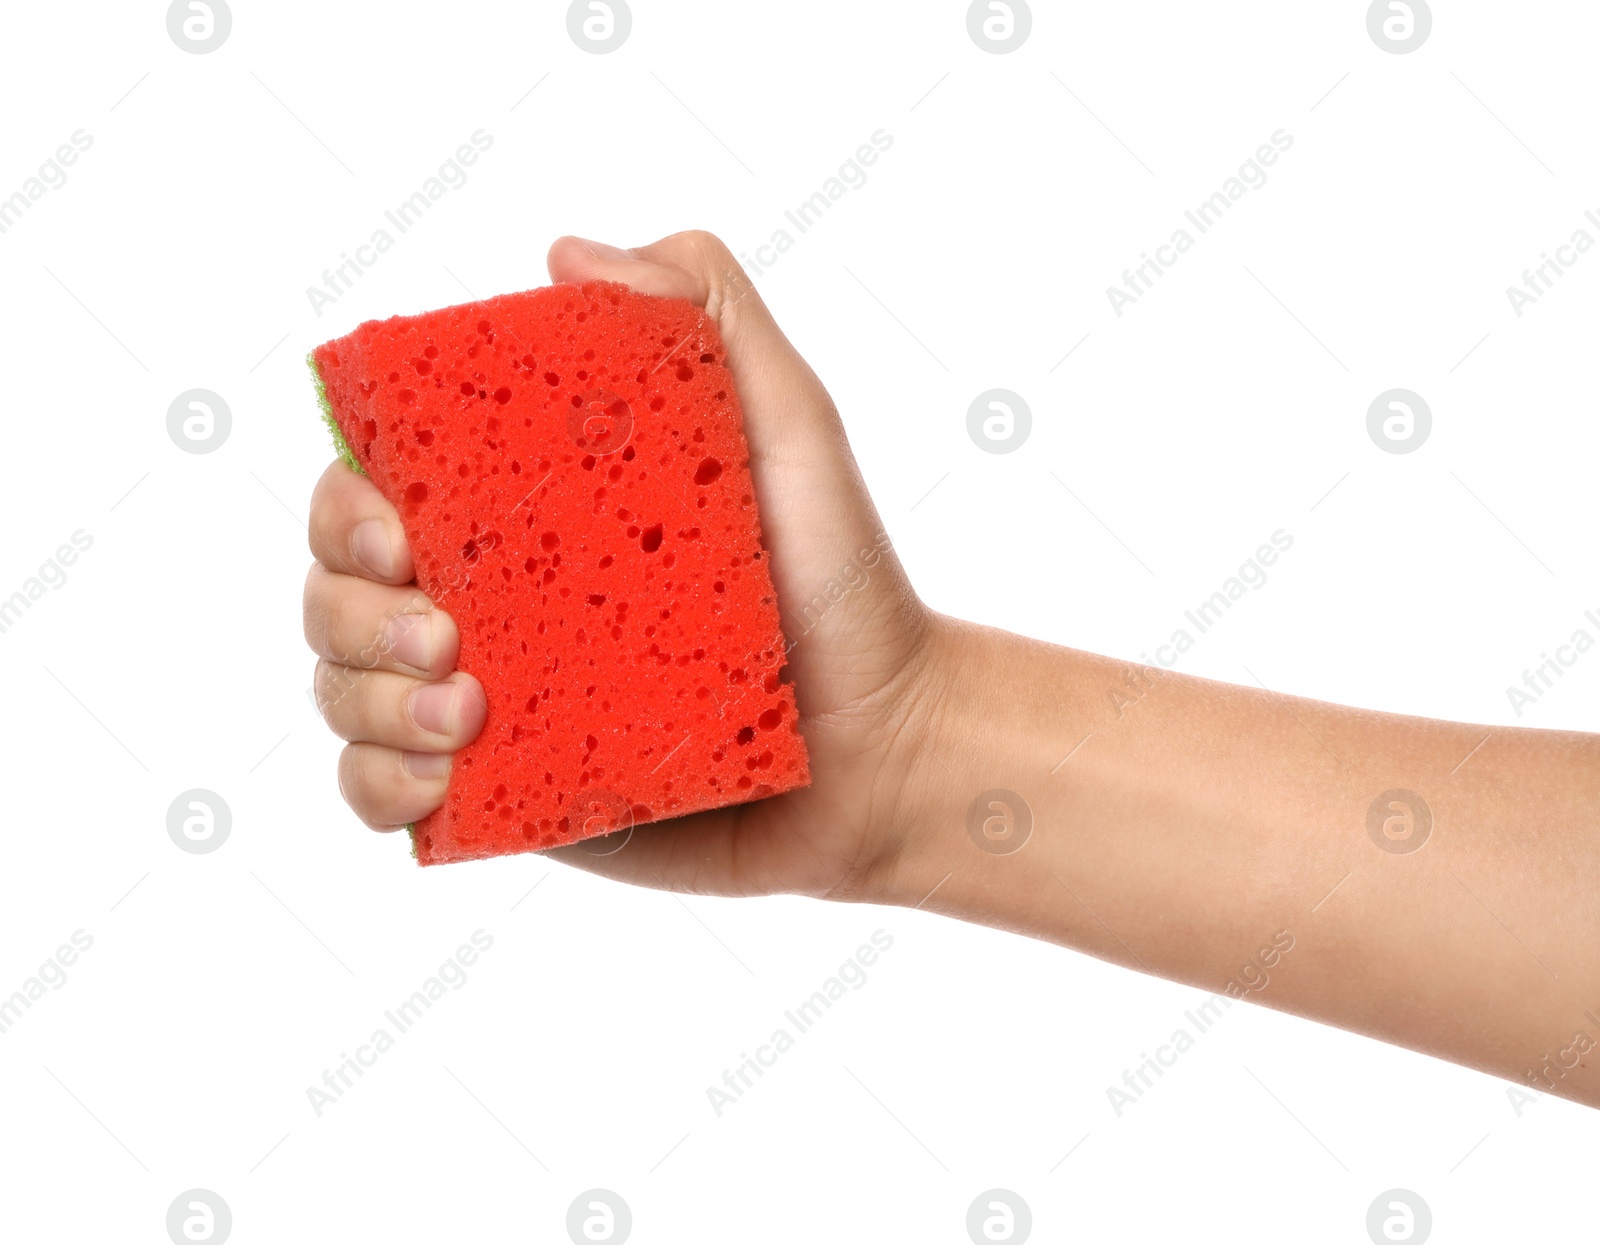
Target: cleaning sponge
point(571, 471)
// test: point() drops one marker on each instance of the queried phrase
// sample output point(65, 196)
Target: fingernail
point(370, 546)
point(433, 707)
point(408, 639)
point(427, 766)
point(603, 250)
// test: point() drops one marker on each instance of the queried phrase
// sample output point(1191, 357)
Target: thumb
point(828, 545)
point(790, 422)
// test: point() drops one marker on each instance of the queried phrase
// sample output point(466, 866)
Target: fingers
point(388, 788)
point(374, 706)
point(354, 530)
point(354, 622)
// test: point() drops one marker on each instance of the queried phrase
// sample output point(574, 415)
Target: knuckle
point(313, 609)
point(339, 695)
point(322, 688)
point(349, 792)
point(726, 284)
point(708, 249)
point(357, 634)
point(359, 781)
point(322, 537)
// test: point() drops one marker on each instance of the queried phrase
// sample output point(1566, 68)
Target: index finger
point(353, 530)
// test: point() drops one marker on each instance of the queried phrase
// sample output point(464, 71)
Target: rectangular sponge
point(571, 470)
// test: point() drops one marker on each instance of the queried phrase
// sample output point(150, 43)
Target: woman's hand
point(858, 634)
point(1378, 865)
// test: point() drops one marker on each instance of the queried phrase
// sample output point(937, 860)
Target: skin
point(1178, 826)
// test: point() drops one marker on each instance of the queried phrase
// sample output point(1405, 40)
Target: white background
point(1223, 406)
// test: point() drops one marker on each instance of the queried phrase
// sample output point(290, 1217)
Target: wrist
point(981, 717)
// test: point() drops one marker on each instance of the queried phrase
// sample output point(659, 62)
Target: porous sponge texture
point(571, 471)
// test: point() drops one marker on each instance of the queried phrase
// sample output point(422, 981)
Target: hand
point(858, 632)
point(1195, 830)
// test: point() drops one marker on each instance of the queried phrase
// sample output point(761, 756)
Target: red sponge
point(571, 470)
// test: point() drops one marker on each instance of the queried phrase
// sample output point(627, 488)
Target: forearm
point(1194, 830)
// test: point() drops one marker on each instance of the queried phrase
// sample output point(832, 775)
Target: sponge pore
point(571, 471)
